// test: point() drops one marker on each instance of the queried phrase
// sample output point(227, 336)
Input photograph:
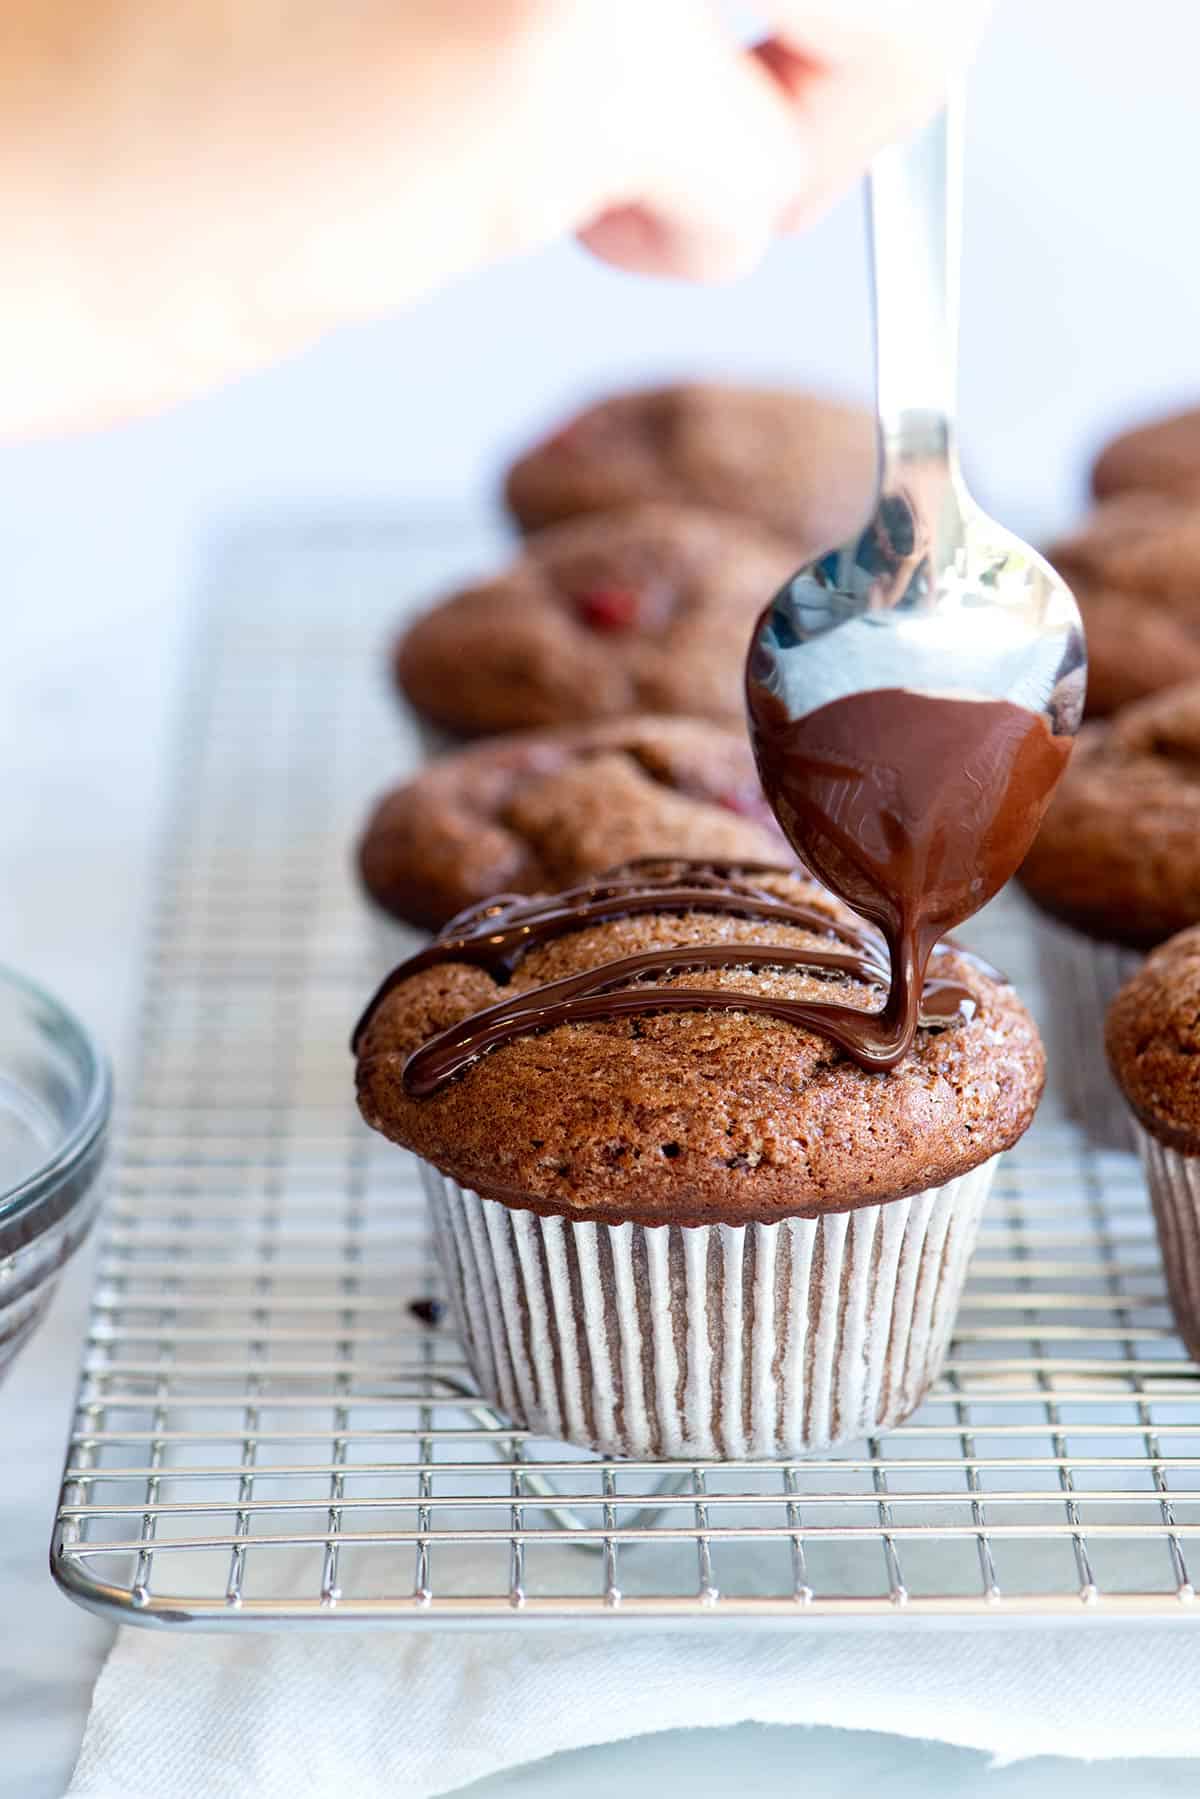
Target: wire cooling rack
point(266, 1430)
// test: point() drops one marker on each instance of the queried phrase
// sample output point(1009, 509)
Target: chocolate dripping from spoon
point(913, 808)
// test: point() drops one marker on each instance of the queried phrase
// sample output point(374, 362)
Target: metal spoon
point(933, 596)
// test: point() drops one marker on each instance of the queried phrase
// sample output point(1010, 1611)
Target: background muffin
point(798, 463)
point(1153, 1040)
point(1134, 566)
point(820, 1218)
point(646, 609)
point(545, 809)
point(1118, 854)
point(1117, 864)
point(1163, 456)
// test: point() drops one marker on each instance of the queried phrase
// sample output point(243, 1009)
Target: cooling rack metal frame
point(266, 1432)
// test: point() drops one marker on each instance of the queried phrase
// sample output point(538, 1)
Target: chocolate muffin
point(798, 463)
point(1134, 566)
point(544, 809)
point(818, 1218)
point(1153, 1041)
point(648, 609)
point(1117, 866)
point(1163, 456)
point(1118, 854)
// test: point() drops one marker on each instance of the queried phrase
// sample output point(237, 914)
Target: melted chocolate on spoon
point(497, 934)
point(914, 809)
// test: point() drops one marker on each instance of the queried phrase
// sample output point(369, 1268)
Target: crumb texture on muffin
point(1134, 567)
point(799, 463)
point(1163, 456)
point(544, 809)
point(644, 610)
point(700, 1116)
point(1118, 854)
point(1153, 1042)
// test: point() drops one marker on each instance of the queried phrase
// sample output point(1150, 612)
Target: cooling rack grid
point(267, 1431)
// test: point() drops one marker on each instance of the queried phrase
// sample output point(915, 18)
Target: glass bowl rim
point(92, 1113)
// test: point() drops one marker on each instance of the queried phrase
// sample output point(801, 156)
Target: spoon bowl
point(932, 596)
point(912, 694)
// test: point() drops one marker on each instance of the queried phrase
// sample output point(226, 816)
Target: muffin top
point(799, 463)
point(705, 1113)
point(1134, 566)
point(1118, 854)
point(648, 609)
point(1163, 455)
point(543, 809)
point(1153, 1042)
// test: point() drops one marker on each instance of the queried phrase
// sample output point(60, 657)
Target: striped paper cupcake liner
point(723, 1341)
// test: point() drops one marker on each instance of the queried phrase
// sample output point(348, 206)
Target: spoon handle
point(915, 214)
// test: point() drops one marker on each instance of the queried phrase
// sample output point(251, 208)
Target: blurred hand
point(190, 188)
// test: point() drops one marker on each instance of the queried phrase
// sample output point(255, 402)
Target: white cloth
point(337, 1714)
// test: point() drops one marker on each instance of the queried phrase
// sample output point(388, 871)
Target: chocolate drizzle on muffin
point(497, 935)
point(716, 1109)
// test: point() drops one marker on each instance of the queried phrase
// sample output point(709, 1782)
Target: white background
point(1080, 311)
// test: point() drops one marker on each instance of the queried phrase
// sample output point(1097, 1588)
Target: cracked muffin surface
point(543, 809)
point(648, 609)
point(701, 1116)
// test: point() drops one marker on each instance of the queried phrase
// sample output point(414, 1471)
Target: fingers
point(719, 158)
point(743, 145)
point(861, 74)
point(846, 114)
